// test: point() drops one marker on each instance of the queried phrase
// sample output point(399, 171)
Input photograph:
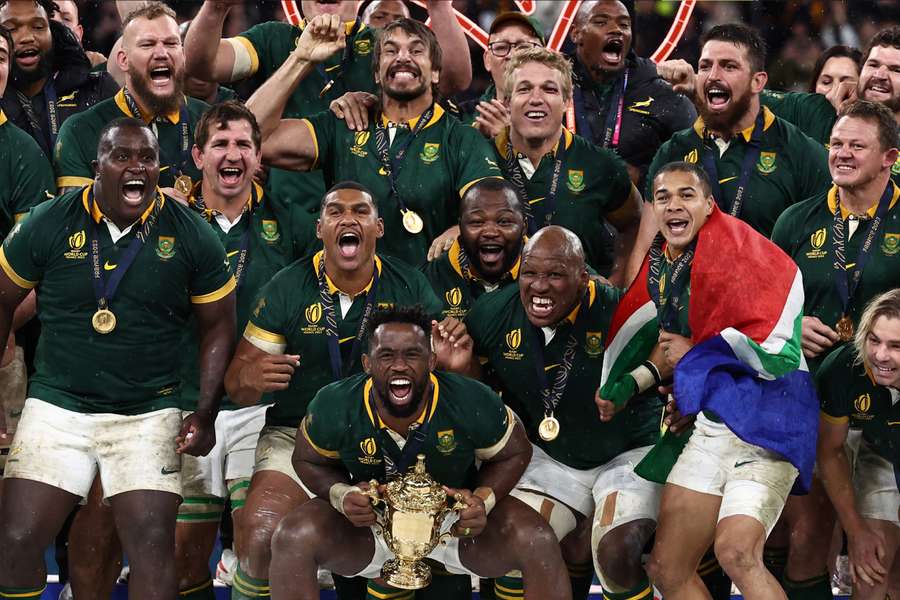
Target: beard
point(417, 394)
point(727, 120)
point(510, 256)
point(141, 87)
point(405, 95)
point(893, 103)
point(20, 77)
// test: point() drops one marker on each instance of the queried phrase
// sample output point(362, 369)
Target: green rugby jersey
point(271, 246)
point(445, 158)
point(133, 369)
point(288, 313)
point(791, 167)
point(848, 395)
point(813, 114)
point(682, 326)
point(804, 232)
point(594, 181)
point(76, 145)
point(504, 336)
point(458, 289)
point(466, 421)
point(26, 177)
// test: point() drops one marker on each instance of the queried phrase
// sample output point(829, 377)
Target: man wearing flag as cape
point(725, 305)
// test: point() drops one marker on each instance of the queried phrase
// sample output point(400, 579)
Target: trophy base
point(406, 574)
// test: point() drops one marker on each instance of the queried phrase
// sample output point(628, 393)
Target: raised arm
point(456, 75)
point(207, 56)
point(627, 220)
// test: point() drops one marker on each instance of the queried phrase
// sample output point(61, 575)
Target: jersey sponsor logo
point(369, 448)
point(891, 244)
point(313, 314)
point(270, 231)
point(862, 404)
point(359, 140)
point(692, 157)
point(576, 181)
point(817, 241)
point(169, 470)
point(453, 297)
point(76, 243)
point(766, 163)
point(639, 107)
point(593, 343)
point(513, 341)
point(430, 153)
point(446, 441)
point(165, 248)
point(362, 47)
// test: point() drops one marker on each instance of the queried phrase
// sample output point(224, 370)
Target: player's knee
point(259, 525)
point(295, 534)
point(664, 574)
point(17, 538)
point(736, 556)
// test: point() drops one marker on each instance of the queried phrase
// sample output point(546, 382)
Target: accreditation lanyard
point(517, 177)
point(397, 461)
point(392, 165)
point(614, 113)
point(679, 275)
point(244, 247)
point(178, 167)
point(50, 100)
point(105, 289)
point(552, 394)
point(846, 283)
point(751, 155)
point(346, 58)
point(339, 370)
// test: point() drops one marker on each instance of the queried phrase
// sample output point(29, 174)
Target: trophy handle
point(376, 499)
point(457, 506)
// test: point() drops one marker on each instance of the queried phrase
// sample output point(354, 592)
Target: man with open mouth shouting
point(307, 329)
point(153, 62)
point(119, 268)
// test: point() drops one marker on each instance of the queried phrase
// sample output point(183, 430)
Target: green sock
point(21, 593)
point(581, 577)
point(375, 591)
point(814, 588)
point(775, 559)
point(509, 588)
point(249, 588)
point(198, 591)
point(642, 591)
point(714, 578)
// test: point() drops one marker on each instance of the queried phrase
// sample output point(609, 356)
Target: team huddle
point(642, 321)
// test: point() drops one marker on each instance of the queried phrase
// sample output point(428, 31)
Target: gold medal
point(412, 222)
point(184, 185)
point(549, 428)
point(104, 321)
point(845, 329)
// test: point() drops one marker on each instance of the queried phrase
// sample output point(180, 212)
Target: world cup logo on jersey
point(513, 341)
point(76, 243)
point(313, 313)
point(453, 297)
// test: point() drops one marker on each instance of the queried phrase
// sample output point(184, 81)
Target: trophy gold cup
point(415, 506)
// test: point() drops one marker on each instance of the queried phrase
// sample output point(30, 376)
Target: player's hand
point(492, 118)
point(353, 108)
point(674, 420)
point(443, 242)
point(816, 337)
point(866, 549)
point(473, 518)
point(270, 373)
point(608, 408)
point(198, 434)
point(322, 37)
point(843, 94)
point(358, 507)
point(680, 74)
point(452, 345)
point(674, 347)
point(173, 193)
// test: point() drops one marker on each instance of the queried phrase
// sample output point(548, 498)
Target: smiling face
point(725, 84)
point(879, 79)
point(604, 39)
point(30, 29)
point(552, 278)
point(153, 59)
point(855, 156)
point(882, 351)
point(313, 8)
point(491, 230)
point(537, 102)
point(681, 207)
point(349, 226)
point(127, 172)
point(399, 361)
point(503, 43)
point(836, 70)
point(229, 159)
point(405, 71)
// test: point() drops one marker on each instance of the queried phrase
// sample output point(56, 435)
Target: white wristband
point(644, 378)
point(489, 503)
point(338, 492)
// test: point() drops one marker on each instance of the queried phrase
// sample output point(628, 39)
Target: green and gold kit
point(813, 114)
point(258, 245)
point(507, 339)
point(439, 165)
point(456, 286)
point(76, 146)
point(465, 421)
point(805, 233)
point(288, 313)
point(791, 167)
point(848, 395)
point(592, 182)
point(27, 174)
point(134, 368)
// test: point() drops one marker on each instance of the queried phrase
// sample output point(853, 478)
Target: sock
point(376, 591)
point(198, 591)
point(814, 588)
point(349, 588)
point(714, 578)
point(509, 588)
point(580, 577)
point(22, 593)
point(249, 588)
point(775, 559)
point(642, 591)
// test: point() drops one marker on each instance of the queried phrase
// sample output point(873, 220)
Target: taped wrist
point(338, 492)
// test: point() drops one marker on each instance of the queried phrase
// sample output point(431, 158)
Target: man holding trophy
point(375, 426)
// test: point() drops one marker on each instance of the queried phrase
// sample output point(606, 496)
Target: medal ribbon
point(50, 99)
point(614, 114)
point(164, 159)
point(339, 370)
point(346, 57)
point(243, 254)
point(751, 155)
point(517, 177)
point(845, 283)
point(667, 308)
point(397, 461)
point(104, 291)
point(392, 165)
point(551, 395)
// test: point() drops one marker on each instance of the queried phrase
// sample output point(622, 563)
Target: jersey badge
point(766, 163)
point(817, 241)
point(369, 449)
point(76, 245)
point(576, 181)
point(430, 152)
point(362, 47)
point(593, 343)
point(453, 297)
point(891, 244)
point(165, 248)
point(692, 156)
point(513, 341)
point(270, 231)
point(359, 141)
point(862, 404)
point(446, 441)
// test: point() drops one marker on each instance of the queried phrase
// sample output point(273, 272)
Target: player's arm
point(11, 295)
point(207, 56)
point(456, 74)
point(627, 221)
point(259, 366)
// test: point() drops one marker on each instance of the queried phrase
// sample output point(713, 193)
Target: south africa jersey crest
point(430, 152)
point(891, 244)
point(576, 181)
point(895, 168)
point(165, 248)
point(593, 343)
point(766, 163)
point(270, 230)
point(446, 441)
